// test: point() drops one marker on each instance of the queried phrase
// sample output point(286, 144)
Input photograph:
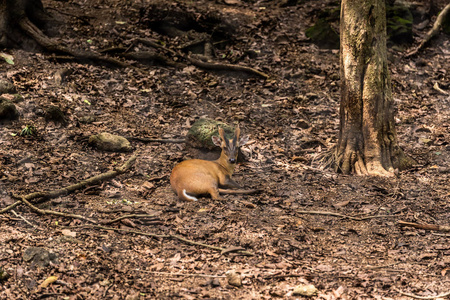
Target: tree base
point(352, 161)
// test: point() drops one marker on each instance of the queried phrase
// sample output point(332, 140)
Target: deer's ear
point(243, 140)
point(217, 140)
point(237, 131)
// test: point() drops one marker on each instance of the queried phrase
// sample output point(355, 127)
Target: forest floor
point(292, 120)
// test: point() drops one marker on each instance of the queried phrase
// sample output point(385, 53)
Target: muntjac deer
point(197, 176)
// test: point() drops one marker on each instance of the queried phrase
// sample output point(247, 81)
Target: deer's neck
point(224, 163)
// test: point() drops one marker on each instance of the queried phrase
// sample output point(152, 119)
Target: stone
point(110, 142)
point(8, 110)
point(305, 290)
point(7, 87)
point(39, 256)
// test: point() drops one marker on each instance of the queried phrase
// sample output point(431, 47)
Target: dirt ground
point(292, 120)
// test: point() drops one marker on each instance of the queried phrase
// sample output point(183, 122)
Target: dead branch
point(433, 32)
point(425, 226)
point(63, 191)
point(226, 67)
point(170, 236)
point(232, 249)
point(130, 216)
point(182, 274)
point(90, 181)
point(327, 213)
point(422, 297)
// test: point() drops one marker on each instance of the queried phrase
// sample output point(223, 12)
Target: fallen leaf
point(67, 232)
point(48, 281)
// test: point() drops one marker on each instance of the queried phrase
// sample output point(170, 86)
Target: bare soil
point(292, 120)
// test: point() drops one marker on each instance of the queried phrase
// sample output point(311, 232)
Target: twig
point(239, 191)
point(327, 213)
point(425, 226)
point(422, 297)
point(130, 216)
point(382, 266)
point(148, 140)
point(10, 207)
point(23, 219)
point(56, 213)
point(182, 274)
point(278, 276)
point(206, 245)
point(154, 44)
point(169, 236)
point(107, 289)
point(438, 88)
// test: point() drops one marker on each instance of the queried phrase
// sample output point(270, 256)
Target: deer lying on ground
point(195, 177)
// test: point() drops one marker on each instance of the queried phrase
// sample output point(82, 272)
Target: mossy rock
point(7, 87)
point(54, 114)
point(201, 133)
point(110, 142)
point(39, 256)
point(199, 139)
point(323, 35)
point(8, 110)
point(399, 24)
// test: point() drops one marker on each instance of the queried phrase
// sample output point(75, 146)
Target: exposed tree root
point(150, 57)
point(352, 161)
point(52, 46)
point(433, 32)
point(226, 67)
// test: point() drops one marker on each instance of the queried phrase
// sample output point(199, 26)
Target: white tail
point(189, 197)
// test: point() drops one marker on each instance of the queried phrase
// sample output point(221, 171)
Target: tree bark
point(12, 12)
point(368, 142)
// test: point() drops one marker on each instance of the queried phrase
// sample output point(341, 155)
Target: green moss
point(446, 24)
point(203, 129)
point(399, 24)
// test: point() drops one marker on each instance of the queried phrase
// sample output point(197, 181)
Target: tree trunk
point(12, 13)
point(367, 137)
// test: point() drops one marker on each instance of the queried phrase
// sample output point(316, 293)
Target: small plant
point(28, 131)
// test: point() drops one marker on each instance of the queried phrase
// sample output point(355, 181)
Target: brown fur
point(199, 177)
